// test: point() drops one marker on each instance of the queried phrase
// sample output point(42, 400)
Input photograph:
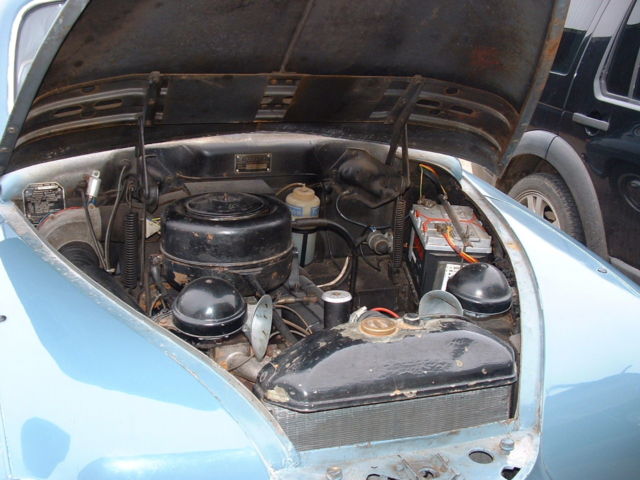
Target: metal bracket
point(149, 192)
point(399, 115)
point(151, 99)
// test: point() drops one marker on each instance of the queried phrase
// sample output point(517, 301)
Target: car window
point(622, 74)
point(579, 18)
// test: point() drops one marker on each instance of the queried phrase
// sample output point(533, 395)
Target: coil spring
point(129, 263)
point(398, 232)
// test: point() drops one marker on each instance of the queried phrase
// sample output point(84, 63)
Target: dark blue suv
point(578, 166)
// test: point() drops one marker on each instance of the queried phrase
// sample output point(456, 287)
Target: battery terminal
point(446, 231)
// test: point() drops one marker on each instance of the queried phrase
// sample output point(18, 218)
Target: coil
point(398, 233)
point(130, 267)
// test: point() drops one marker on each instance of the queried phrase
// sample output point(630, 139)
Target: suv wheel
point(547, 195)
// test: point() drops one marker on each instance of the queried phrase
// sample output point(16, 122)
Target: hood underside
point(330, 67)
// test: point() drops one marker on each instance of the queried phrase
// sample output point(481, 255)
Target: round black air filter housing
point(239, 233)
point(482, 289)
point(209, 307)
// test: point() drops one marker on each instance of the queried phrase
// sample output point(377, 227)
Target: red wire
point(431, 169)
point(387, 311)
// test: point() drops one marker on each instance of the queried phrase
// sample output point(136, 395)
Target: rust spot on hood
point(485, 58)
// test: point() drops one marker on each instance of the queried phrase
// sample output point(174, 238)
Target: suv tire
point(548, 196)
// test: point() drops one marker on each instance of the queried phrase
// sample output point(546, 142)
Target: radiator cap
point(378, 326)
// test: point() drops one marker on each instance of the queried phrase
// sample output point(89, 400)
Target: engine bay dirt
point(352, 293)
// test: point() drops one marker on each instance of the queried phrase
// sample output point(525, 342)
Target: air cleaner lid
point(225, 206)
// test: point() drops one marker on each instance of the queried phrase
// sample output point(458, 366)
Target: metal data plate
point(252, 162)
point(41, 199)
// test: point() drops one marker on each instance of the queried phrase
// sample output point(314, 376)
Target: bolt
point(11, 129)
point(411, 318)
point(507, 444)
point(334, 473)
point(602, 270)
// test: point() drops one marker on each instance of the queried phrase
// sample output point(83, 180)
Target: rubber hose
point(282, 327)
point(307, 223)
point(83, 256)
point(130, 264)
point(309, 287)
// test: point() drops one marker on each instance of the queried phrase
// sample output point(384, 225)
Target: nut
point(507, 444)
point(411, 319)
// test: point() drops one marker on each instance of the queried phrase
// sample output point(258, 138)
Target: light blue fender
point(90, 389)
point(591, 414)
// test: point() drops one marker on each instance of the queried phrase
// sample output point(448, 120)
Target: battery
point(431, 260)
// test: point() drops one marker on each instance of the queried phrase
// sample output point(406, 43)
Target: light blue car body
point(90, 389)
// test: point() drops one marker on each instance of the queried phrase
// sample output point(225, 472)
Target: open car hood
point(471, 70)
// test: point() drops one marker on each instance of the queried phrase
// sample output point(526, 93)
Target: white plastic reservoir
point(304, 203)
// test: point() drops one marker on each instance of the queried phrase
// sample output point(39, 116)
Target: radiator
point(396, 419)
